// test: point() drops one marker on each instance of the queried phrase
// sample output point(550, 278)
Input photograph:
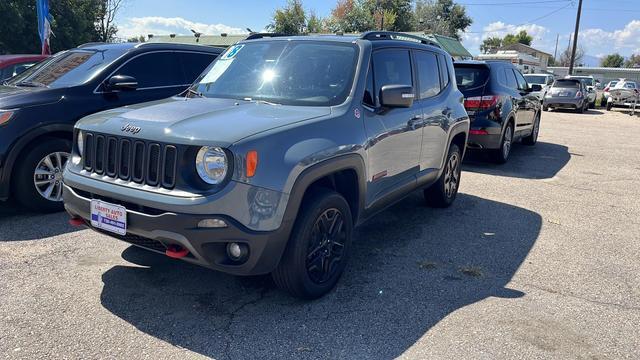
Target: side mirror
point(122, 82)
point(396, 96)
point(535, 87)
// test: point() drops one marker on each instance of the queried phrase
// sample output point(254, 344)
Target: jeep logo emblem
point(130, 128)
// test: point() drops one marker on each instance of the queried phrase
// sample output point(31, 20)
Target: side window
point(194, 64)
point(550, 80)
point(154, 69)
point(522, 83)
point(511, 78)
point(444, 71)
point(368, 89)
point(502, 78)
point(391, 67)
point(428, 74)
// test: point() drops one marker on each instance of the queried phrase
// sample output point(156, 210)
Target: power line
point(515, 3)
point(523, 24)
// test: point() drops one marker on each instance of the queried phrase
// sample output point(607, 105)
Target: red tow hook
point(76, 221)
point(176, 252)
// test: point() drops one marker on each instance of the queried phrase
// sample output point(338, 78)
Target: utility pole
point(575, 38)
point(555, 53)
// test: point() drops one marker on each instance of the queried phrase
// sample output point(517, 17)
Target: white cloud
point(625, 41)
point(157, 25)
point(540, 35)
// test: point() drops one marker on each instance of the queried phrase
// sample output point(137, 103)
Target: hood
point(12, 97)
point(200, 121)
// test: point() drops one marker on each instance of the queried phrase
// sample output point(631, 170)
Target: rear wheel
point(443, 192)
point(609, 106)
point(501, 155)
point(38, 178)
point(318, 248)
point(545, 108)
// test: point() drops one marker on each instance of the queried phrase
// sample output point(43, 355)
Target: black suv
point(39, 107)
point(500, 104)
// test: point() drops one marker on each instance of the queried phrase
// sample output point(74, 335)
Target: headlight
point(211, 164)
point(5, 116)
point(80, 142)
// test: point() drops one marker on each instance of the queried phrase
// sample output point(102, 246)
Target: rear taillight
point(606, 89)
point(481, 102)
point(579, 94)
point(478, 132)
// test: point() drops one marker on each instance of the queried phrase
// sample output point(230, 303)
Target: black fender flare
point(460, 127)
point(19, 146)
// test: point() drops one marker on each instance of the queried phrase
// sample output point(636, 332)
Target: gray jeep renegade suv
point(278, 150)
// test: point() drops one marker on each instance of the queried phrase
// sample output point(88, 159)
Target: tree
point(105, 26)
point(137, 39)
point(522, 37)
point(73, 24)
point(491, 44)
point(365, 15)
point(612, 60)
point(289, 20)
point(442, 17)
point(633, 61)
point(565, 57)
point(314, 23)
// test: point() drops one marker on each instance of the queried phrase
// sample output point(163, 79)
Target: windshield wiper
point(30, 84)
point(258, 101)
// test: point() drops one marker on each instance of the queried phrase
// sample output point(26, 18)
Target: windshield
point(536, 79)
point(586, 80)
point(284, 72)
point(468, 77)
point(566, 84)
point(70, 68)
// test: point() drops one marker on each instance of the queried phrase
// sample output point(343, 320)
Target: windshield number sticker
point(232, 52)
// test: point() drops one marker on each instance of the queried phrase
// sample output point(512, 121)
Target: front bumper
point(156, 230)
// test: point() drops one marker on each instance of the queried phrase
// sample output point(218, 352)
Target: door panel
point(526, 103)
point(394, 134)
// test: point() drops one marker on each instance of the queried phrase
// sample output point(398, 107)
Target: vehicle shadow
point(17, 224)
point(586, 112)
point(411, 267)
point(542, 161)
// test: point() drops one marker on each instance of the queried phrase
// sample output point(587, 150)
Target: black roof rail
point(394, 35)
point(253, 36)
point(91, 44)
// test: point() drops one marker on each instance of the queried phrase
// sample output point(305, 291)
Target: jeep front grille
point(143, 162)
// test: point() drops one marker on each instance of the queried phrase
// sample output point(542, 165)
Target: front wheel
point(38, 179)
point(318, 249)
point(443, 192)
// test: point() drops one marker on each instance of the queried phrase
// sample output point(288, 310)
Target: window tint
point(511, 78)
point(428, 74)
point(444, 71)
point(471, 76)
point(154, 69)
point(368, 90)
point(391, 67)
point(194, 64)
point(522, 83)
point(502, 78)
point(567, 84)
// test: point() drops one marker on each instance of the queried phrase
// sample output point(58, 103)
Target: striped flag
point(44, 25)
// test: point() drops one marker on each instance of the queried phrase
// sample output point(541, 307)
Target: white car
point(544, 80)
point(609, 86)
point(590, 84)
point(624, 93)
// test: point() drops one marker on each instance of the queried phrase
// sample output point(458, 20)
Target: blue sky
point(606, 26)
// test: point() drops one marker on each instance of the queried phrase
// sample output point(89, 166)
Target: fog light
point(237, 251)
point(212, 223)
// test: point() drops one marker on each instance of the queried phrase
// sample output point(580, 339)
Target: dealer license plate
point(563, 94)
point(109, 217)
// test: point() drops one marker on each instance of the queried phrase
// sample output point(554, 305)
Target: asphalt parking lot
point(538, 258)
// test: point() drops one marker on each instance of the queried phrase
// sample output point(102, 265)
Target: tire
point(32, 196)
point(295, 274)
point(592, 105)
point(501, 155)
point(533, 138)
point(581, 110)
point(609, 106)
point(545, 108)
point(443, 192)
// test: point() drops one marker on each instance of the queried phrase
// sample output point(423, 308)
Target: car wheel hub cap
point(452, 175)
point(506, 146)
point(47, 176)
point(326, 247)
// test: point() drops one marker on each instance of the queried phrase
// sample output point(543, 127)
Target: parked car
point(567, 94)
point(544, 80)
point(607, 88)
point(40, 106)
point(12, 65)
point(284, 145)
point(624, 93)
point(590, 89)
point(500, 104)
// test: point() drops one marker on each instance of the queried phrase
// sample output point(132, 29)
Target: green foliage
point(314, 24)
point(441, 17)
point(73, 24)
point(612, 60)
point(364, 15)
point(289, 20)
point(491, 44)
point(522, 37)
point(633, 61)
